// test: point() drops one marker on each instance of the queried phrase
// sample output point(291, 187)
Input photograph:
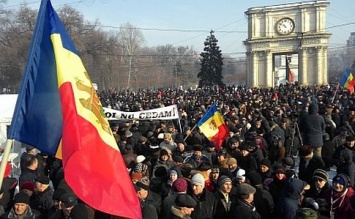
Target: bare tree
point(131, 40)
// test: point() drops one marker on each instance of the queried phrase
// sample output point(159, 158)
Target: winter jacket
point(312, 127)
point(264, 203)
point(243, 210)
point(29, 214)
point(308, 166)
point(222, 205)
point(206, 205)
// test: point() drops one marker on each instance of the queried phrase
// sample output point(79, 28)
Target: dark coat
point(27, 176)
point(44, 201)
point(242, 210)
point(308, 166)
point(222, 206)
point(288, 203)
point(264, 203)
point(206, 205)
point(312, 127)
point(347, 165)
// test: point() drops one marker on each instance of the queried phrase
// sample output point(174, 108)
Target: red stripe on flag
point(220, 136)
point(93, 169)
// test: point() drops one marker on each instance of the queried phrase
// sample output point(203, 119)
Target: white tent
point(7, 107)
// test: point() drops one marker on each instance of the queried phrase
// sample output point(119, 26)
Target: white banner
point(164, 113)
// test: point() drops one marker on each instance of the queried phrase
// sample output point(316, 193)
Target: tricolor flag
point(58, 106)
point(347, 81)
point(289, 73)
point(213, 127)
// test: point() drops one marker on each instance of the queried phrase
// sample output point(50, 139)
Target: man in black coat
point(309, 162)
point(243, 207)
point(223, 197)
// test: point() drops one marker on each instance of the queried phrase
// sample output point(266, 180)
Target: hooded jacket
point(312, 127)
point(288, 203)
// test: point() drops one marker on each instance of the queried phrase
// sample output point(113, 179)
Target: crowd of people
point(275, 162)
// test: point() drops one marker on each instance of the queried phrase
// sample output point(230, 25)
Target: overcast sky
point(188, 22)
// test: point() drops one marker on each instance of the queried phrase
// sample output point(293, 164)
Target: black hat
point(178, 159)
point(164, 152)
point(43, 180)
point(69, 200)
point(211, 144)
point(254, 178)
point(197, 148)
point(57, 195)
point(22, 197)
point(288, 161)
point(222, 152)
point(266, 162)
point(79, 211)
point(245, 147)
point(350, 138)
point(184, 200)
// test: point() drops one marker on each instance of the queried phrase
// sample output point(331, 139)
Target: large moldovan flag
point(347, 80)
point(213, 127)
point(58, 107)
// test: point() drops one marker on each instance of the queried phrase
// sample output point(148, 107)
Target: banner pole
point(5, 158)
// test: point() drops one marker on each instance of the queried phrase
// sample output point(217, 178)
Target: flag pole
point(335, 93)
point(5, 158)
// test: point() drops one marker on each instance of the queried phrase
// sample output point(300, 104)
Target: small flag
point(347, 80)
point(289, 73)
point(57, 105)
point(213, 127)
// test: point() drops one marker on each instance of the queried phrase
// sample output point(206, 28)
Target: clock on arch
point(285, 26)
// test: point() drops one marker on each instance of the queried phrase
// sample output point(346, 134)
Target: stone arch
point(296, 28)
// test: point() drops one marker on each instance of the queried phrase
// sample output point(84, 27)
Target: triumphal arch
point(296, 28)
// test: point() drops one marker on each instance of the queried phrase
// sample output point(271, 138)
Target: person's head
point(180, 146)
point(68, 201)
point(244, 149)
point(21, 203)
point(173, 175)
point(279, 173)
point(179, 185)
point(232, 164)
point(79, 211)
point(233, 143)
point(167, 137)
point(185, 203)
point(246, 192)
point(142, 190)
point(27, 187)
point(32, 163)
point(320, 178)
point(197, 183)
point(197, 150)
point(225, 184)
point(350, 141)
point(57, 195)
point(31, 150)
point(211, 146)
point(240, 176)
point(222, 155)
point(164, 155)
point(215, 173)
point(42, 183)
point(265, 165)
point(341, 182)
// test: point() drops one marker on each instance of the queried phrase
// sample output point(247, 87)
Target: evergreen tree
point(211, 63)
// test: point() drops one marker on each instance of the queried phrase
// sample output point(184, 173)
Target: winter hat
point(204, 166)
point(160, 172)
point(254, 178)
point(140, 167)
point(43, 180)
point(179, 185)
point(184, 200)
point(178, 159)
point(79, 211)
point(28, 185)
point(198, 179)
point(164, 152)
point(140, 159)
point(279, 169)
point(244, 190)
point(350, 138)
point(223, 179)
point(128, 134)
point(22, 197)
point(266, 162)
point(173, 172)
point(321, 174)
point(342, 179)
point(287, 161)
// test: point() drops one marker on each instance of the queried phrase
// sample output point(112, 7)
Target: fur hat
point(198, 179)
point(254, 178)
